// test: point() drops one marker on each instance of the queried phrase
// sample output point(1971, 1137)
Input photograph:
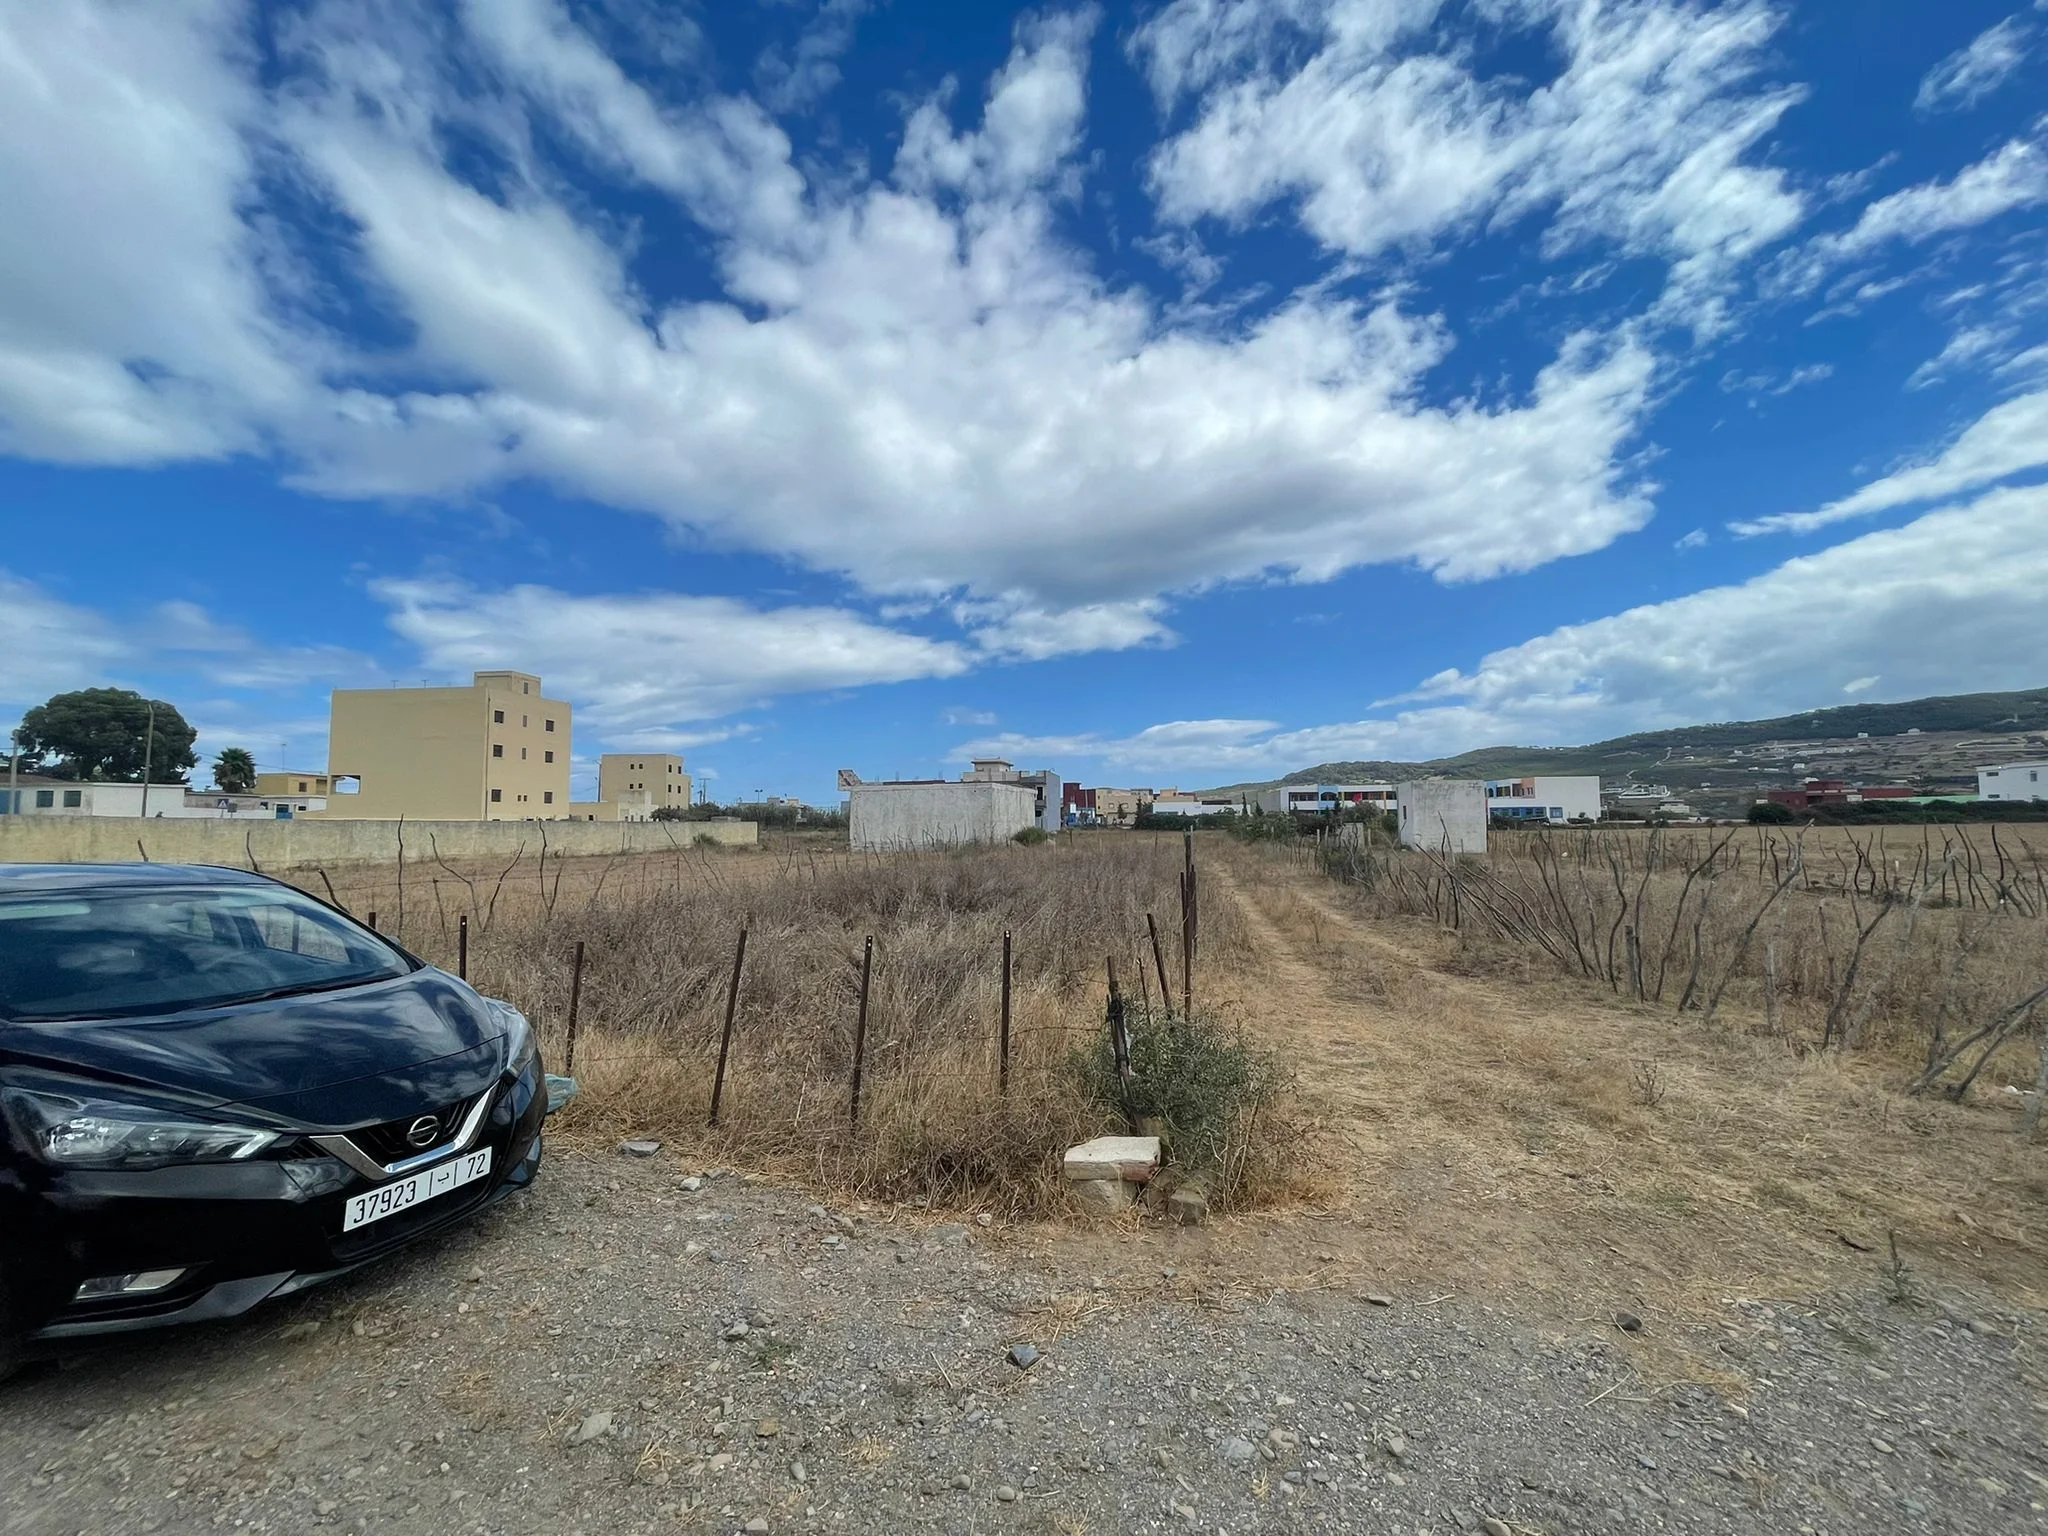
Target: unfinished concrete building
point(1442, 815)
point(901, 815)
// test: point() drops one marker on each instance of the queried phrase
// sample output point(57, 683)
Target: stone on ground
point(1103, 1197)
point(1133, 1158)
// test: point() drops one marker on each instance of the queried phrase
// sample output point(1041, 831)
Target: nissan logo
point(421, 1132)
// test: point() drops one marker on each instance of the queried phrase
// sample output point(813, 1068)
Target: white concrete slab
point(1131, 1158)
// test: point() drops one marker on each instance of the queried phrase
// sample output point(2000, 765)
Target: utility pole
point(14, 774)
point(148, 751)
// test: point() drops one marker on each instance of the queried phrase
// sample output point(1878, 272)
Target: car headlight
point(520, 1045)
point(81, 1132)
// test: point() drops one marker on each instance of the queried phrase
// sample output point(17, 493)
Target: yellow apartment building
point(623, 776)
point(289, 784)
point(494, 751)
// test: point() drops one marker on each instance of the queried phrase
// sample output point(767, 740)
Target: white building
point(1442, 815)
point(1174, 804)
point(40, 796)
point(1326, 799)
point(917, 814)
point(2013, 781)
point(1540, 798)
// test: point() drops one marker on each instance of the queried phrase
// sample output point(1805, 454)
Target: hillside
point(1936, 743)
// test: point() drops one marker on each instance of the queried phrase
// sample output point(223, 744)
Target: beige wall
point(441, 753)
point(620, 775)
point(305, 842)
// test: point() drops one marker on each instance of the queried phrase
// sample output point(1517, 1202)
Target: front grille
point(392, 1142)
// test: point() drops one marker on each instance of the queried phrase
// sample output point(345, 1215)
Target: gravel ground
point(618, 1351)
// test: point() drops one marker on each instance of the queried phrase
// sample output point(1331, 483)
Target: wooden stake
point(732, 998)
point(575, 1004)
point(860, 1028)
point(1159, 965)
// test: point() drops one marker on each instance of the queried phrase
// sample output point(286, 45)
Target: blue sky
point(1174, 393)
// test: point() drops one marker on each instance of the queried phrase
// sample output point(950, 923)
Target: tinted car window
point(155, 951)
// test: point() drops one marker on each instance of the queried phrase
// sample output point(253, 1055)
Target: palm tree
point(234, 771)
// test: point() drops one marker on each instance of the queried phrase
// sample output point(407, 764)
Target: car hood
point(323, 1058)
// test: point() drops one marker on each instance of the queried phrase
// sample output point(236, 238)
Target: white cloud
point(692, 658)
point(183, 634)
point(1968, 346)
point(2008, 439)
point(1949, 603)
point(914, 381)
point(1977, 69)
point(1389, 144)
point(134, 321)
point(1769, 382)
point(2013, 177)
point(51, 645)
point(1697, 539)
point(808, 72)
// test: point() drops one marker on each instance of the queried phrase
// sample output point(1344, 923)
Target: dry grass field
point(1485, 1106)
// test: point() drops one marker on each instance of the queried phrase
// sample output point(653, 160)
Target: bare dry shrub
point(1647, 1084)
point(935, 1124)
point(1890, 940)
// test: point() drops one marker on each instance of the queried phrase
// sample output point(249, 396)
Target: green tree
point(234, 771)
point(105, 734)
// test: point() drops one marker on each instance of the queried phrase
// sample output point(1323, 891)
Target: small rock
point(1006, 1494)
point(962, 1481)
point(1494, 1527)
point(1628, 1322)
point(299, 1331)
point(691, 1185)
point(476, 1274)
point(985, 1220)
point(738, 1330)
point(798, 1473)
point(1237, 1451)
point(1024, 1356)
point(593, 1425)
point(1374, 1298)
point(1884, 1446)
point(768, 1429)
point(1397, 1447)
point(639, 1148)
point(758, 1526)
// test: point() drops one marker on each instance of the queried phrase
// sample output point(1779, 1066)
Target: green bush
point(1032, 836)
point(1205, 1085)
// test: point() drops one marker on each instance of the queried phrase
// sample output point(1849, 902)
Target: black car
point(216, 1089)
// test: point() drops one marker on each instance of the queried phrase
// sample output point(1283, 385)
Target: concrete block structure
point(1442, 815)
point(915, 814)
point(494, 751)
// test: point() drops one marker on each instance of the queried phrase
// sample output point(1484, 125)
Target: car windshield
point(122, 953)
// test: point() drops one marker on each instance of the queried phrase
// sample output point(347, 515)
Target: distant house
point(1326, 799)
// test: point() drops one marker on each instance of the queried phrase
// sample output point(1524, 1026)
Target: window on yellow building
point(497, 749)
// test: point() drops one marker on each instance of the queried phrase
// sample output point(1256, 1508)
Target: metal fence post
point(1003, 1069)
point(732, 998)
point(462, 947)
point(860, 1027)
point(575, 1003)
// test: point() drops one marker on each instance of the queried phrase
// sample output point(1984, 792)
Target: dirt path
point(1511, 1132)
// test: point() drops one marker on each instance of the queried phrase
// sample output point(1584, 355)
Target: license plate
point(403, 1194)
